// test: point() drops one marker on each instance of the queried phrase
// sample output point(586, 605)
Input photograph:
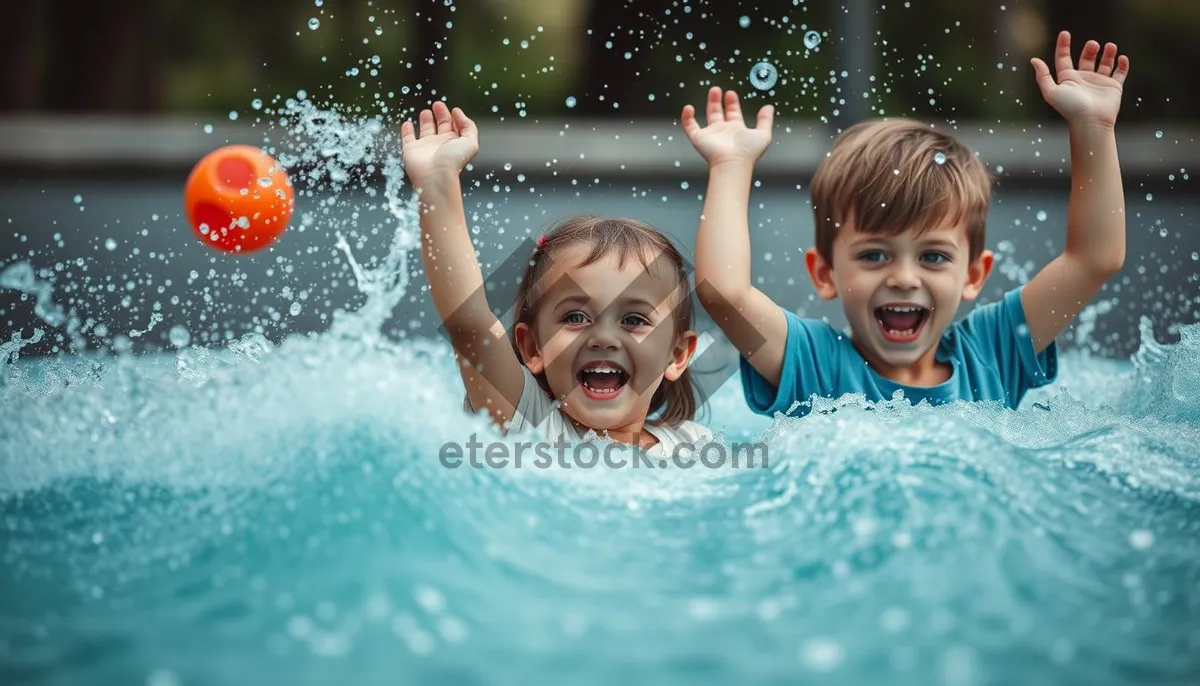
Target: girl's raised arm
point(490, 369)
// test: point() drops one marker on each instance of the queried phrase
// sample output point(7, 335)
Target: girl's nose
point(603, 335)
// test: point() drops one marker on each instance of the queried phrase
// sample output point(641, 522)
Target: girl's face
point(604, 335)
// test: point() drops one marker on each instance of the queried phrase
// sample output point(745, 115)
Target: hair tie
point(541, 240)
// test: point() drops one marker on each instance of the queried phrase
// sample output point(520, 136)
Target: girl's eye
point(636, 320)
point(575, 318)
point(936, 257)
point(872, 256)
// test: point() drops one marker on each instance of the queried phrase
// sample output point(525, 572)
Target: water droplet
point(233, 115)
point(179, 336)
point(314, 23)
point(1158, 134)
point(821, 654)
point(163, 677)
point(1195, 256)
point(763, 76)
point(812, 39)
point(294, 309)
point(1149, 196)
point(684, 185)
point(1041, 215)
point(570, 101)
point(78, 199)
point(256, 104)
point(939, 157)
point(1141, 539)
point(110, 245)
point(208, 128)
point(744, 22)
point(1163, 232)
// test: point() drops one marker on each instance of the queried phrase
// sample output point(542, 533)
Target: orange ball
point(238, 199)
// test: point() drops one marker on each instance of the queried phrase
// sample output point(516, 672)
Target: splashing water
point(276, 512)
point(763, 76)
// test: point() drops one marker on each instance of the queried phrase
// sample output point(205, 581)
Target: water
point(763, 76)
point(253, 508)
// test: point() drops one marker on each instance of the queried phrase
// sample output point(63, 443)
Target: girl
point(602, 324)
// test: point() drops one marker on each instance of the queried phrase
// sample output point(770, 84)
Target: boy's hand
point(1090, 94)
point(448, 141)
point(726, 137)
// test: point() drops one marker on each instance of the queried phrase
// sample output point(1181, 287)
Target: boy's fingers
point(766, 117)
point(733, 109)
point(463, 123)
point(441, 115)
point(1087, 58)
point(1122, 69)
point(406, 132)
point(688, 120)
point(715, 111)
point(1107, 58)
point(426, 119)
point(1041, 74)
point(1062, 53)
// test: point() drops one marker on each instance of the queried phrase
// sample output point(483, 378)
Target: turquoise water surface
point(267, 510)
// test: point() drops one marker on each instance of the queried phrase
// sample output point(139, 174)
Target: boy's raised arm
point(1088, 98)
point(723, 285)
point(490, 369)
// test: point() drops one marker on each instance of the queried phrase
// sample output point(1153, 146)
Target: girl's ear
point(821, 273)
point(977, 274)
point(529, 348)
point(681, 355)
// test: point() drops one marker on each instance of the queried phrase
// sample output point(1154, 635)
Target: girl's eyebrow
point(624, 300)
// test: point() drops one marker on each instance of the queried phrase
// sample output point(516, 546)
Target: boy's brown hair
point(890, 175)
point(628, 239)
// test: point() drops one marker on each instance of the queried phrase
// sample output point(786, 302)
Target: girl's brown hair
point(626, 238)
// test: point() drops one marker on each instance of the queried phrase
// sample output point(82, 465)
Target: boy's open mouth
point(901, 323)
point(602, 380)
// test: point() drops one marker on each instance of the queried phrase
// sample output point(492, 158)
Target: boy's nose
point(903, 276)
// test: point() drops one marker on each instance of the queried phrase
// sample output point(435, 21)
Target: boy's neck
point(925, 372)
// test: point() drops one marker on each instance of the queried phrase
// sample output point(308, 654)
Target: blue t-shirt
point(990, 352)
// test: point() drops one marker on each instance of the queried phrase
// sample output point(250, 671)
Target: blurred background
point(616, 58)
point(105, 107)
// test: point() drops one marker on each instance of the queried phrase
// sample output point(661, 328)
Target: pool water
point(275, 511)
point(279, 514)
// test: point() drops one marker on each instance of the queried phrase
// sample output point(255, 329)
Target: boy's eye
point(936, 257)
point(575, 318)
point(872, 256)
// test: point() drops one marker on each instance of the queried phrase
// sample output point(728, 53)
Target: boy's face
point(900, 292)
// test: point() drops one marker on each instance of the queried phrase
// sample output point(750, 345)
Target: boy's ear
point(529, 349)
point(681, 355)
point(977, 274)
point(821, 273)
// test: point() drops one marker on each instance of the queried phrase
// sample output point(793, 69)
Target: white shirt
point(554, 424)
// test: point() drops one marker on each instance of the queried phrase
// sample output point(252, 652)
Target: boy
point(900, 210)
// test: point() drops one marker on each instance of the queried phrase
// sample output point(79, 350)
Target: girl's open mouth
point(901, 323)
point(602, 380)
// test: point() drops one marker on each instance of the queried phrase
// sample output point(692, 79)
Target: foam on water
point(276, 512)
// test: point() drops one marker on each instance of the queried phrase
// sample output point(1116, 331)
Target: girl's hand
point(448, 141)
point(1090, 94)
point(726, 137)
